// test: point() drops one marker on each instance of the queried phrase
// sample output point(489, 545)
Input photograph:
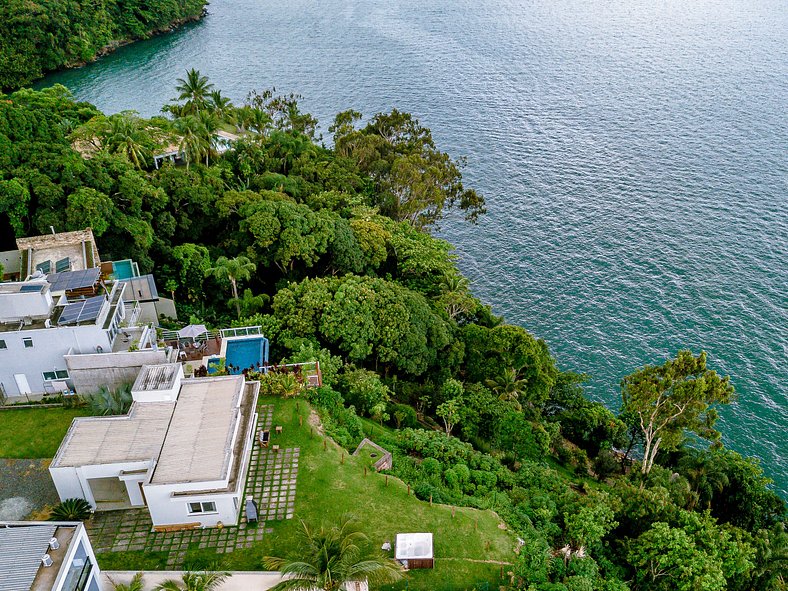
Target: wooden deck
point(190, 352)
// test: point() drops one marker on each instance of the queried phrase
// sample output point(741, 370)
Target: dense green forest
point(38, 36)
point(328, 248)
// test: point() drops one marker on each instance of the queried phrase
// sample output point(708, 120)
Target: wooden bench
point(176, 527)
point(263, 438)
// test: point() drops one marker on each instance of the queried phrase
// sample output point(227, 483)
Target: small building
point(224, 140)
point(47, 556)
point(173, 153)
point(414, 550)
point(183, 450)
point(57, 252)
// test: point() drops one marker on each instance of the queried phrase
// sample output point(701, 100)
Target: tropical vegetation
point(331, 244)
point(44, 35)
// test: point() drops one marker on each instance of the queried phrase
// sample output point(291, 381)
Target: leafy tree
point(591, 522)
point(249, 304)
point(449, 412)
point(672, 398)
point(771, 560)
point(234, 270)
point(89, 208)
point(330, 557)
point(193, 263)
point(14, 202)
point(364, 390)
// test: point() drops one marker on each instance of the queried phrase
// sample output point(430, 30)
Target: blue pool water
point(123, 269)
point(245, 353)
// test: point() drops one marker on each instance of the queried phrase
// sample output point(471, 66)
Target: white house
point(183, 450)
point(43, 322)
point(47, 556)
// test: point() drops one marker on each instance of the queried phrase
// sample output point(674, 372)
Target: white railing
point(241, 331)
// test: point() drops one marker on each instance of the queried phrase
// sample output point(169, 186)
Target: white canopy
point(192, 331)
point(413, 546)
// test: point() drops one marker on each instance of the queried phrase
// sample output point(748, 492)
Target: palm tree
point(249, 303)
point(771, 559)
point(108, 402)
point(125, 135)
point(221, 107)
point(134, 585)
point(193, 141)
point(509, 386)
point(194, 89)
point(194, 581)
point(330, 557)
point(704, 475)
point(75, 509)
point(209, 125)
point(235, 270)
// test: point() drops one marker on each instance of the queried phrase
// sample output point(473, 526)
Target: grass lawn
point(34, 432)
point(468, 545)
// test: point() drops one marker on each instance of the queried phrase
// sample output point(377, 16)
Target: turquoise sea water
point(634, 157)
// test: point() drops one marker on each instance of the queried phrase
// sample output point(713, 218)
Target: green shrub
point(75, 509)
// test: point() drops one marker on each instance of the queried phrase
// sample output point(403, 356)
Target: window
point(28, 342)
point(45, 267)
point(3, 345)
point(63, 265)
point(58, 374)
point(205, 507)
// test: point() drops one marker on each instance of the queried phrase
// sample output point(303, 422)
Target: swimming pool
point(244, 353)
point(123, 269)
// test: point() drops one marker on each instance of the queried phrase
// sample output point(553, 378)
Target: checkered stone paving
point(271, 481)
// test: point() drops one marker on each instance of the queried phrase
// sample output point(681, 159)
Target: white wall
point(72, 482)
point(91, 371)
point(46, 354)
point(165, 509)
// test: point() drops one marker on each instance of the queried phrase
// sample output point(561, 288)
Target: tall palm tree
point(509, 386)
point(193, 141)
point(221, 107)
point(330, 557)
point(771, 559)
point(234, 270)
point(194, 581)
point(134, 585)
point(209, 125)
point(194, 89)
point(125, 135)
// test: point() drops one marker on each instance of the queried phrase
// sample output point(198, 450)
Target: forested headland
point(39, 36)
point(329, 250)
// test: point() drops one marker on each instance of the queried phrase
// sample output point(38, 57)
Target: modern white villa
point(73, 323)
point(183, 450)
point(47, 556)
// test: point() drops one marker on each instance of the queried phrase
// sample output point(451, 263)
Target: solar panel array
point(68, 280)
point(81, 311)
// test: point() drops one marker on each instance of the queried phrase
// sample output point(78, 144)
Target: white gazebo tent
point(414, 550)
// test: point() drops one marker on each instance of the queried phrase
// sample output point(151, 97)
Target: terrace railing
point(241, 331)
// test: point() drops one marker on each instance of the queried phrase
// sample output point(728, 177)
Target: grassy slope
point(34, 432)
point(328, 488)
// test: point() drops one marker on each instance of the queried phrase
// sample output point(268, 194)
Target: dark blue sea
point(634, 157)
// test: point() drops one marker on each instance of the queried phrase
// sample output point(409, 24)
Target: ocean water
point(634, 157)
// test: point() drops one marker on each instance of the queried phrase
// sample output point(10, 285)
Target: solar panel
point(63, 265)
point(31, 287)
point(81, 311)
point(68, 280)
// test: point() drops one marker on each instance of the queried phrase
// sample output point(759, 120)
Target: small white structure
point(47, 556)
point(414, 550)
point(183, 450)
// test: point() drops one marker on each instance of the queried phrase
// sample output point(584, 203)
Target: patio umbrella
point(192, 331)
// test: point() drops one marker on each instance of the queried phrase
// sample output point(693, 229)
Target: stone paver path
point(271, 481)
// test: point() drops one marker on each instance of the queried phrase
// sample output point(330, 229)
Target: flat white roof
point(199, 443)
point(413, 546)
point(135, 437)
